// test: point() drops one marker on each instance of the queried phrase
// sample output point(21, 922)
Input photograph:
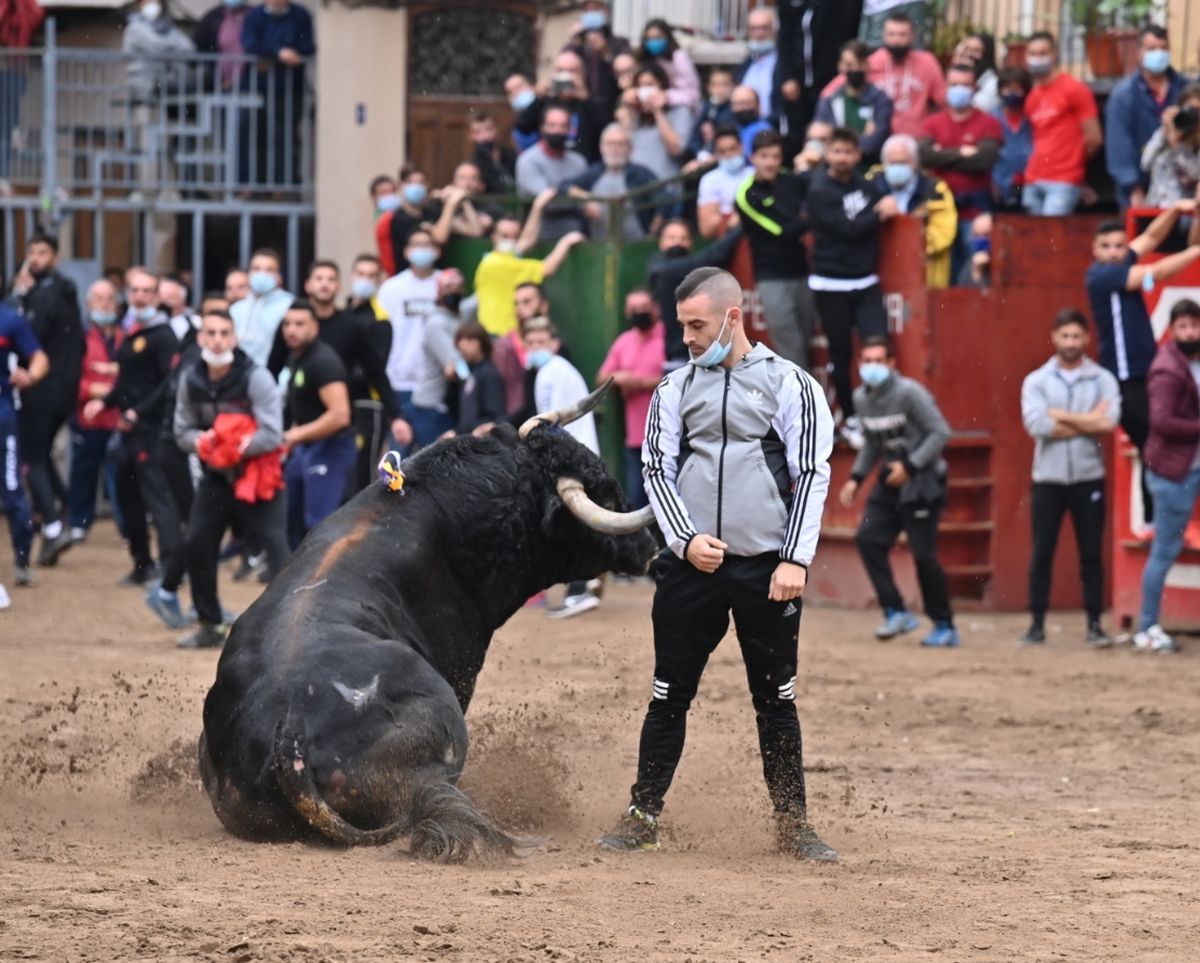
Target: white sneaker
point(574, 605)
point(5, 601)
point(852, 433)
point(1154, 639)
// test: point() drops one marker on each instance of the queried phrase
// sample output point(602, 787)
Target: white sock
point(52, 530)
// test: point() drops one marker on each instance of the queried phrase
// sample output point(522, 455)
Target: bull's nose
point(337, 780)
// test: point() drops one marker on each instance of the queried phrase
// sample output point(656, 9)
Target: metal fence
point(715, 19)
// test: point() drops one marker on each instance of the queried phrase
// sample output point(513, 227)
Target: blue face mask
point(593, 20)
point(523, 99)
point(389, 202)
point(731, 165)
point(146, 314)
point(716, 352)
point(538, 358)
point(759, 47)
point(656, 46)
point(897, 175)
point(415, 193)
point(103, 317)
point(461, 369)
point(959, 96)
point(422, 257)
point(234, 3)
point(363, 288)
point(262, 282)
point(873, 374)
point(1156, 61)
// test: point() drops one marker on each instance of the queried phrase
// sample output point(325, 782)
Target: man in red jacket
point(1172, 456)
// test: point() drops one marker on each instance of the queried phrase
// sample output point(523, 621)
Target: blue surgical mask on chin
point(731, 165)
point(873, 373)
point(363, 288)
point(389, 202)
point(538, 358)
point(716, 352)
point(147, 313)
point(461, 368)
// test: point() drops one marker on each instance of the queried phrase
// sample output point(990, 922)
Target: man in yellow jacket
point(922, 195)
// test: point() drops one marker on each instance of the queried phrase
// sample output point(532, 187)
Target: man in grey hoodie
point(1067, 405)
point(904, 432)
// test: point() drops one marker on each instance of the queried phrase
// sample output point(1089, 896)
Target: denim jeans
point(1173, 505)
point(1050, 198)
point(635, 490)
point(89, 457)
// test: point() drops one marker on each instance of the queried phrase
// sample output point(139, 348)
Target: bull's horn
point(564, 416)
point(601, 519)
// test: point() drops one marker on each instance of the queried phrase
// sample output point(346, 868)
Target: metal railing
point(715, 19)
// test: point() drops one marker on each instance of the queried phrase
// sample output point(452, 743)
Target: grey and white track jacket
point(740, 453)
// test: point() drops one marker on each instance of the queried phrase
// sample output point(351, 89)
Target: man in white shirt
point(719, 187)
point(407, 298)
point(759, 68)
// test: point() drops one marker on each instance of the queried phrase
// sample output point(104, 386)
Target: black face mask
point(1014, 101)
point(856, 78)
point(555, 141)
point(451, 301)
point(678, 251)
point(1190, 348)
point(745, 118)
point(642, 320)
point(485, 145)
point(898, 52)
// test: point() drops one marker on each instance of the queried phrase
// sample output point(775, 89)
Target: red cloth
point(947, 134)
point(383, 242)
point(19, 20)
point(1056, 113)
point(95, 352)
point(260, 477)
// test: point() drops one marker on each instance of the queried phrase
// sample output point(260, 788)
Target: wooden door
point(459, 56)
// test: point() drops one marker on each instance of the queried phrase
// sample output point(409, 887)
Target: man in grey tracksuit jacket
point(1067, 405)
point(904, 435)
point(736, 468)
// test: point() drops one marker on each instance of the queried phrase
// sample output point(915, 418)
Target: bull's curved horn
point(601, 519)
point(564, 416)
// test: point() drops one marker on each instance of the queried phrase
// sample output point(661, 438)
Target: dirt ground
point(988, 803)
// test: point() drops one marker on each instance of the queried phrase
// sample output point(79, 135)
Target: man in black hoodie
point(811, 34)
point(51, 307)
point(845, 211)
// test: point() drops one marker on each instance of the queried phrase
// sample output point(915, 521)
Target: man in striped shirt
point(736, 468)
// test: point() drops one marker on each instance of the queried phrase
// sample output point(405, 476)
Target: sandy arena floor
point(988, 803)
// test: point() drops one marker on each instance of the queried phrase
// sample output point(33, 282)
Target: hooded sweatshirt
point(1067, 461)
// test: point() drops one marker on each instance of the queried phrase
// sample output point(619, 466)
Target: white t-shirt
point(559, 385)
point(717, 187)
point(407, 299)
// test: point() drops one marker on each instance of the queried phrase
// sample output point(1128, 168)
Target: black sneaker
point(635, 831)
point(797, 838)
point(1096, 637)
point(52, 548)
point(206, 636)
point(141, 575)
point(1034, 635)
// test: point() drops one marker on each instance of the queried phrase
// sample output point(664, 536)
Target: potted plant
point(1014, 49)
point(1110, 32)
point(946, 38)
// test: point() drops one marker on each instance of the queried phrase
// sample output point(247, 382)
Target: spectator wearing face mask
point(151, 41)
point(921, 195)
point(857, 104)
point(744, 102)
point(1171, 157)
point(256, 317)
point(659, 48)
point(482, 392)
point(716, 202)
point(597, 47)
point(371, 395)
point(527, 110)
point(430, 412)
point(658, 130)
point(1066, 132)
point(635, 363)
point(588, 114)
point(912, 79)
point(550, 165)
point(715, 112)
point(1008, 173)
point(414, 209)
point(383, 195)
point(761, 70)
point(771, 206)
point(979, 50)
point(1134, 113)
point(815, 141)
point(496, 162)
point(615, 176)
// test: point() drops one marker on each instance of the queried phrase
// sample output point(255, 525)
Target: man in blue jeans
point(1172, 463)
point(320, 440)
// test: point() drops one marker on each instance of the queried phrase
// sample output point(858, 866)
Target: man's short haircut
point(141, 269)
point(322, 262)
point(409, 169)
point(1152, 30)
point(373, 258)
point(857, 47)
point(727, 71)
point(908, 142)
point(553, 105)
point(42, 237)
point(176, 279)
point(1015, 75)
point(541, 292)
point(540, 323)
point(844, 135)
point(474, 331)
point(1110, 226)
point(727, 130)
point(764, 139)
point(1185, 308)
point(482, 117)
point(675, 222)
point(719, 285)
point(378, 180)
point(212, 296)
point(1069, 316)
point(898, 16)
point(220, 313)
point(1043, 35)
point(878, 341)
point(424, 232)
point(268, 252)
point(302, 304)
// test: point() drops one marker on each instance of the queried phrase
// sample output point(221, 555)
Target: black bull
point(338, 707)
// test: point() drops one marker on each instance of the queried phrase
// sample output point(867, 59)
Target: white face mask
point(506, 246)
point(216, 360)
point(151, 11)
